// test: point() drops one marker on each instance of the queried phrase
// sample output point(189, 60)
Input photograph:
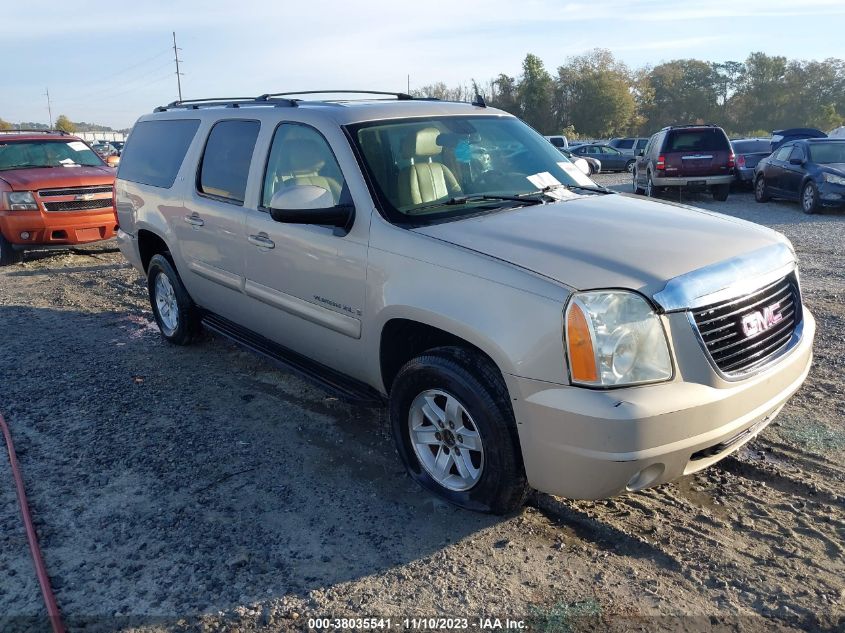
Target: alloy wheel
point(166, 304)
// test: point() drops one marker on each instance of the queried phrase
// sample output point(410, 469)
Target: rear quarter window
point(155, 150)
point(706, 140)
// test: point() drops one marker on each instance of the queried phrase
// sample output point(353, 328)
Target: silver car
point(524, 326)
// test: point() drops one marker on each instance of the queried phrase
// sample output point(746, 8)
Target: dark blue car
point(811, 171)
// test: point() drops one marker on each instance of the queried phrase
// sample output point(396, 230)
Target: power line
point(105, 93)
point(178, 74)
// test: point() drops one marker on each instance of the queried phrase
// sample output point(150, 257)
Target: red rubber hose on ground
point(34, 549)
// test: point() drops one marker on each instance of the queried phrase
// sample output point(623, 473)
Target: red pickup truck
point(54, 192)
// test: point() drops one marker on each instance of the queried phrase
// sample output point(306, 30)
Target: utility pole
point(409, 84)
point(178, 74)
point(49, 108)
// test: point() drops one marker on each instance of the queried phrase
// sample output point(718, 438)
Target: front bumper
point(591, 444)
point(691, 181)
point(831, 194)
point(57, 229)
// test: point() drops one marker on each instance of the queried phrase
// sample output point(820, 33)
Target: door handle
point(194, 220)
point(262, 240)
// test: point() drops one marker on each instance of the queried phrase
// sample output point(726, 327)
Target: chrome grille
point(732, 349)
point(78, 205)
point(75, 191)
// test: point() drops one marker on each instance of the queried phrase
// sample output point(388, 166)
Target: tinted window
point(704, 140)
point(625, 143)
point(226, 160)
point(155, 150)
point(752, 146)
point(828, 153)
point(783, 153)
point(797, 152)
point(301, 156)
point(642, 143)
point(557, 141)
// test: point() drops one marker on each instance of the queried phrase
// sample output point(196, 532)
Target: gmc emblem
point(761, 320)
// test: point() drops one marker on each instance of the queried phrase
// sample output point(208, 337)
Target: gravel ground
point(203, 489)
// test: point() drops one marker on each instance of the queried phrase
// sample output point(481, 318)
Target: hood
point(610, 241)
point(834, 168)
point(56, 177)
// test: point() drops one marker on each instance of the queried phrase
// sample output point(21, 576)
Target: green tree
point(683, 91)
point(5, 125)
point(65, 124)
point(594, 94)
point(504, 94)
point(535, 95)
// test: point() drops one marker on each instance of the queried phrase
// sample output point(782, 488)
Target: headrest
point(303, 156)
point(423, 143)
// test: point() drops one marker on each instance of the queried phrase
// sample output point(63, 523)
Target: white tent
point(837, 133)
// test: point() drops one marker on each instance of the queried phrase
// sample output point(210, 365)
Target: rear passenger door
point(307, 281)
point(211, 228)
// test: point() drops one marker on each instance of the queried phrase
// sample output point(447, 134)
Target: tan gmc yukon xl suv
point(526, 327)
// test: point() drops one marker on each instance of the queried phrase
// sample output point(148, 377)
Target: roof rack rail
point(27, 130)
point(229, 102)
point(401, 96)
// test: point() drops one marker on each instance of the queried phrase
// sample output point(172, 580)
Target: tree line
point(61, 123)
point(594, 95)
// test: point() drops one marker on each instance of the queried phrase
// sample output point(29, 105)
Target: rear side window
point(155, 151)
point(225, 162)
point(642, 143)
point(625, 143)
point(706, 140)
point(557, 141)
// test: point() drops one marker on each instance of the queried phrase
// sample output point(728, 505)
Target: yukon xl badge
point(759, 321)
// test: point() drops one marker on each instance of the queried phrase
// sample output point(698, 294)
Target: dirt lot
point(202, 488)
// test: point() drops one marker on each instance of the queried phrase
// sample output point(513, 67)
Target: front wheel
point(629, 166)
point(8, 255)
point(810, 198)
point(761, 194)
point(175, 313)
point(454, 429)
point(637, 189)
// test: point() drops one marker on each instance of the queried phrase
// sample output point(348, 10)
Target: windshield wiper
point(457, 200)
point(25, 166)
point(546, 190)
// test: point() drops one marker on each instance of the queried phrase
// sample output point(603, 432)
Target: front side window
point(783, 153)
point(300, 155)
point(641, 144)
point(610, 150)
point(443, 167)
point(46, 153)
point(154, 151)
point(225, 163)
point(797, 152)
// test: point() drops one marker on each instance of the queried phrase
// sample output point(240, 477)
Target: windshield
point(827, 153)
point(46, 153)
point(435, 168)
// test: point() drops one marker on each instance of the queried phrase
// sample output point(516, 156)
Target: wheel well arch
point(150, 244)
point(403, 339)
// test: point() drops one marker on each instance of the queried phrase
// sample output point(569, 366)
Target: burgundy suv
point(695, 157)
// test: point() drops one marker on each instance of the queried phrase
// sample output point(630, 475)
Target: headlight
point(833, 178)
point(22, 201)
point(614, 338)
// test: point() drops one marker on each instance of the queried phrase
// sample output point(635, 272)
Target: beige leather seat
point(424, 180)
point(301, 165)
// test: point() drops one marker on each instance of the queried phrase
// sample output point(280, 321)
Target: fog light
point(25, 235)
point(646, 477)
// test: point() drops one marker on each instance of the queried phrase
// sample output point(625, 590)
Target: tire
point(8, 255)
point(637, 189)
point(492, 478)
point(629, 166)
point(721, 192)
point(810, 198)
point(175, 313)
point(650, 189)
point(760, 192)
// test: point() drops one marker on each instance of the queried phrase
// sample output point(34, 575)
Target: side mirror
point(796, 161)
point(309, 204)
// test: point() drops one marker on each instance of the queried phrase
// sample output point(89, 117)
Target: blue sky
point(111, 62)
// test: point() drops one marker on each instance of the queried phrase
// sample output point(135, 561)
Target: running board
point(345, 388)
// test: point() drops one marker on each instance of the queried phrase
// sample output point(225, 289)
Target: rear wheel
point(8, 255)
point(721, 192)
point(761, 194)
point(175, 313)
point(650, 189)
point(810, 198)
point(454, 429)
point(636, 186)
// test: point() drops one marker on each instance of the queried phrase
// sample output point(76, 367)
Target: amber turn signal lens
point(582, 357)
